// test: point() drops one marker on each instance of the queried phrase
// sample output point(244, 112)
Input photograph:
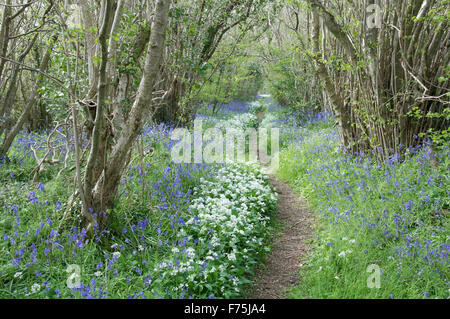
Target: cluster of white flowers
point(232, 201)
point(229, 218)
point(269, 121)
point(255, 107)
point(239, 121)
point(18, 274)
point(344, 253)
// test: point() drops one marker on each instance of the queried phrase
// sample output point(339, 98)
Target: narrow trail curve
point(289, 248)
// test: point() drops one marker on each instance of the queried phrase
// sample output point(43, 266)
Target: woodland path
point(289, 247)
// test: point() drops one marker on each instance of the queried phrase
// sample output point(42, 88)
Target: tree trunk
point(4, 36)
point(91, 46)
point(101, 192)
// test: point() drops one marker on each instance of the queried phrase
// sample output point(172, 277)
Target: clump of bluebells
point(392, 215)
point(223, 110)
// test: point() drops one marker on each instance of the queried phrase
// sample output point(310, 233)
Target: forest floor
point(290, 246)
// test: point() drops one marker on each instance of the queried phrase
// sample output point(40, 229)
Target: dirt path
point(289, 248)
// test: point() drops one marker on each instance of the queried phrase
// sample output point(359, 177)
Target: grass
point(393, 217)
